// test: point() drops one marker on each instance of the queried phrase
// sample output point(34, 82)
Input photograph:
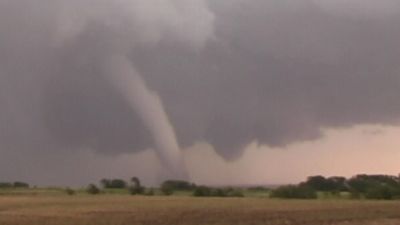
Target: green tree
point(70, 191)
point(179, 185)
point(166, 189)
point(106, 183)
point(118, 184)
point(149, 192)
point(136, 188)
point(296, 192)
point(136, 181)
point(114, 183)
point(202, 191)
point(6, 185)
point(92, 189)
point(19, 184)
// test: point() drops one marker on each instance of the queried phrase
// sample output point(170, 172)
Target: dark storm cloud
point(275, 72)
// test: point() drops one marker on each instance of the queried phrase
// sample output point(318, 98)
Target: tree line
point(359, 186)
point(16, 184)
point(168, 187)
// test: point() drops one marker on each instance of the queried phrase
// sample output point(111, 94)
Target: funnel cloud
point(124, 76)
point(150, 110)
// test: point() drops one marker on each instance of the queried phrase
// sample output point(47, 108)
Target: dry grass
point(127, 210)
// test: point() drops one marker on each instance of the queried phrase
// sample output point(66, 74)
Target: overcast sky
point(244, 92)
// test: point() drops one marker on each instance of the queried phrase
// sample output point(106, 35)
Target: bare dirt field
point(127, 210)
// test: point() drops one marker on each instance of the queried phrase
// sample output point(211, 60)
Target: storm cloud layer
point(227, 72)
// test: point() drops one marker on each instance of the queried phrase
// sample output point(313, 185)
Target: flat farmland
point(128, 210)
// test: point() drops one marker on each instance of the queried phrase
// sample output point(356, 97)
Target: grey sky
point(227, 72)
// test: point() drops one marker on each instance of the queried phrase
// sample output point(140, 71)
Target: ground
point(184, 210)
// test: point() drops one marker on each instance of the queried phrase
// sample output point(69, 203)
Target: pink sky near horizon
point(341, 152)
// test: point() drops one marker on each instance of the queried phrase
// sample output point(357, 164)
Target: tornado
point(150, 109)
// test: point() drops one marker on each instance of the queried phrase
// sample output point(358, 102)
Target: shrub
point(167, 190)
point(106, 183)
point(114, 183)
point(235, 193)
point(375, 186)
point(355, 194)
point(92, 189)
point(136, 190)
point(6, 185)
point(296, 192)
point(118, 184)
point(20, 185)
point(258, 189)
point(69, 191)
point(331, 184)
point(149, 192)
point(382, 192)
point(362, 183)
point(179, 185)
point(202, 191)
point(218, 192)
